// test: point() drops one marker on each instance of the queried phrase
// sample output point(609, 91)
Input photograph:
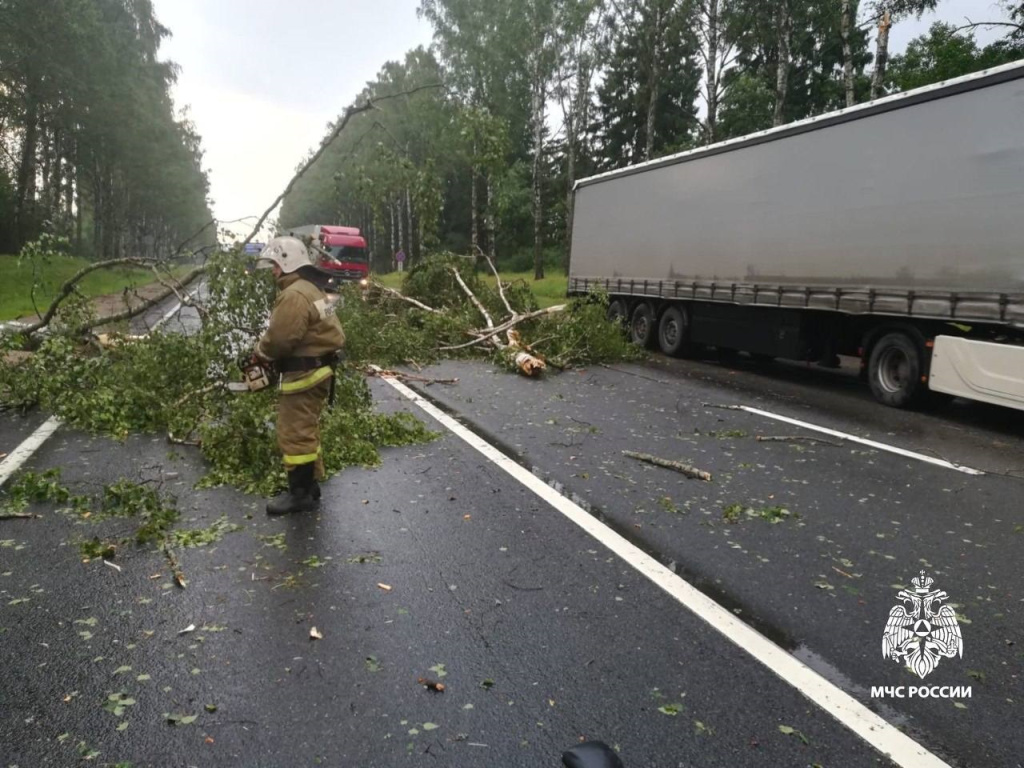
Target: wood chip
point(432, 685)
point(315, 634)
point(385, 587)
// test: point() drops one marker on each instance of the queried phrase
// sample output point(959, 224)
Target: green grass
point(16, 283)
point(549, 291)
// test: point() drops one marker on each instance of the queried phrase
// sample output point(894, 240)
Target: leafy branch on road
point(437, 315)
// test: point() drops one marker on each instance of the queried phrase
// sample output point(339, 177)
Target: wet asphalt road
point(542, 635)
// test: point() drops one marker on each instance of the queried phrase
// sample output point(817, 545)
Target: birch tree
point(783, 39)
point(717, 53)
point(579, 29)
point(888, 12)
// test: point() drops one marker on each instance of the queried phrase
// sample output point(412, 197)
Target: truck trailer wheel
point(894, 371)
point(643, 326)
point(617, 311)
point(674, 332)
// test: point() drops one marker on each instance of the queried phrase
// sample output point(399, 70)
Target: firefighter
point(303, 343)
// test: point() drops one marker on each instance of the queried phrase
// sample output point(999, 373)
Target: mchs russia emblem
point(920, 631)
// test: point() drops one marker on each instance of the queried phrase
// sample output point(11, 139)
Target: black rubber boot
point(300, 495)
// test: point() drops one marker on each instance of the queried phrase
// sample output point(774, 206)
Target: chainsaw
point(257, 374)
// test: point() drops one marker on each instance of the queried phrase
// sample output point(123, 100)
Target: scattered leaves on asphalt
point(364, 557)
point(116, 703)
point(175, 719)
point(276, 541)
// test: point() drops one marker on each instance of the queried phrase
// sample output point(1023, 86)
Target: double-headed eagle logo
point(926, 632)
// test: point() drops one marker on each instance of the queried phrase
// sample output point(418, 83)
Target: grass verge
point(16, 282)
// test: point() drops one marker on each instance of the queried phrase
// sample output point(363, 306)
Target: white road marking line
point(24, 452)
point(167, 317)
point(863, 441)
point(884, 737)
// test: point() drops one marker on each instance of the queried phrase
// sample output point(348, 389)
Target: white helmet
point(289, 253)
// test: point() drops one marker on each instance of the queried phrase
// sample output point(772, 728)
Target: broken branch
point(147, 305)
point(677, 466)
point(474, 299)
point(501, 288)
point(373, 370)
point(399, 295)
point(506, 326)
point(349, 114)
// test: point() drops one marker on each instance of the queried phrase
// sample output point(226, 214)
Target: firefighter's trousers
point(298, 425)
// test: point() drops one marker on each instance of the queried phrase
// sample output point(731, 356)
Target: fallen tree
point(175, 384)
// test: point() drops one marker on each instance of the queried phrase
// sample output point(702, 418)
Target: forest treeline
point(90, 146)
point(539, 93)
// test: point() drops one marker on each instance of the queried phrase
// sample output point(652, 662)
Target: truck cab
point(349, 257)
point(344, 253)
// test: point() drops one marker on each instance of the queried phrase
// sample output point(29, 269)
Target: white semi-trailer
point(893, 231)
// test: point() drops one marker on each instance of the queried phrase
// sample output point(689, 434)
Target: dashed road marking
point(24, 452)
point(863, 441)
point(881, 735)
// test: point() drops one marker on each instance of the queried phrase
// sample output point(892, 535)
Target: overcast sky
point(262, 78)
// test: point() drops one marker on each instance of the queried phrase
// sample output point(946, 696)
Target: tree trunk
point(474, 231)
point(570, 202)
point(25, 213)
point(408, 222)
point(881, 56)
point(492, 238)
point(847, 22)
point(538, 150)
point(784, 35)
point(652, 82)
point(394, 231)
point(712, 69)
point(79, 212)
point(401, 224)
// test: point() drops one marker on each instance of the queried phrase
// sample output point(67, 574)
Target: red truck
point(349, 257)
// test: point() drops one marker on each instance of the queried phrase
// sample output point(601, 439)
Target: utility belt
point(301, 364)
point(314, 364)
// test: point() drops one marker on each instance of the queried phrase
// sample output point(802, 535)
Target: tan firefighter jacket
point(301, 326)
